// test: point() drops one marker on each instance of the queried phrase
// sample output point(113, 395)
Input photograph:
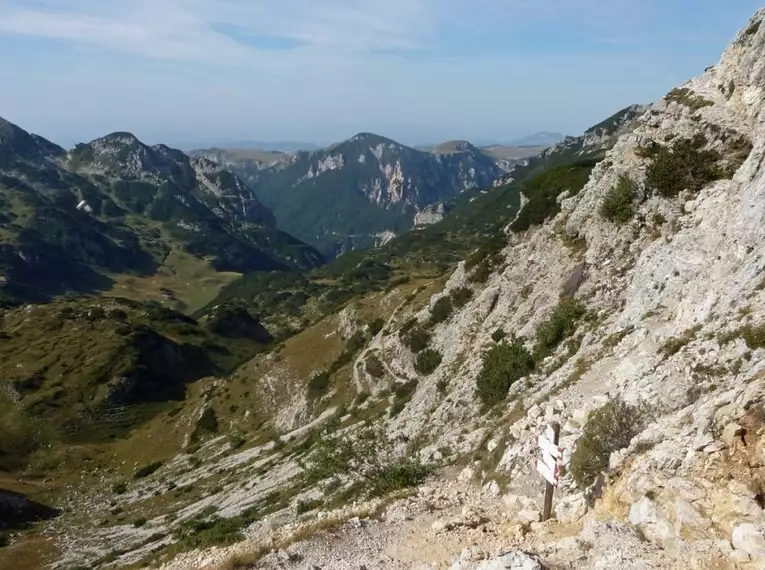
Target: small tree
point(427, 361)
point(503, 365)
point(617, 206)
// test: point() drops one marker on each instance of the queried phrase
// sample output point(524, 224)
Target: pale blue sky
point(321, 70)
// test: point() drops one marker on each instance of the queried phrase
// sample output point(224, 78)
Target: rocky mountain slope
point(70, 221)
point(354, 194)
point(622, 298)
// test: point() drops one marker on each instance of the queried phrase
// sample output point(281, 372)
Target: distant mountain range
point(358, 193)
point(72, 220)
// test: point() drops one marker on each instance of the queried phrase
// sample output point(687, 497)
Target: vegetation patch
point(460, 296)
point(374, 366)
point(688, 98)
point(146, 470)
point(674, 345)
point(402, 394)
point(543, 190)
point(618, 206)
point(427, 361)
point(753, 28)
point(561, 325)
point(371, 457)
point(608, 429)
point(416, 339)
point(441, 311)
point(503, 365)
point(683, 166)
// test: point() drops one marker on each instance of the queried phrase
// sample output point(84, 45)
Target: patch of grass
point(204, 533)
point(683, 166)
point(674, 345)
point(561, 325)
point(608, 429)
point(119, 488)
point(503, 365)
point(302, 507)
point(617, 205)
point(427, 361)
point(138, 523)
point(688, 98)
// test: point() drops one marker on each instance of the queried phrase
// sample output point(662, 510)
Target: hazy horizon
point(417, 71)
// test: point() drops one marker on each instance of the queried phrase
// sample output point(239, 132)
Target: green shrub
point(307, 506)
point(561, 324)
point(402, 394)
point(503, 365)
point(427, 361)
point(617, 206)
point(441, 311)
point(138, 523)
point(685, 96)
point(318, 384)
point(674, 345)
point(371, 457)
point(461, 296)
point(498, 335)
point(543, 190)
point(608, 429)
point(417, 339)
point(683, 166)
point(376, 326)
point(199, 533)
point(753, 28)
point(119, 488)
point(374, 366)
point(146, 470)
point(481, 273)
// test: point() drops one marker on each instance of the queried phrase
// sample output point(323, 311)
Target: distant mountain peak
point(453, 147)
point(541, 138)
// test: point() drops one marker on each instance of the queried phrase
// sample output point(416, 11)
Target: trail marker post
point(547, 463)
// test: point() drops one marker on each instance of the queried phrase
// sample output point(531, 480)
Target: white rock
point(492, 445)
point(534, 412)
point(466, 474)
point(646, 515)
point(570, 508)
point(529, 515)
point(749, 538)
point(732, 433)
point(515, 560)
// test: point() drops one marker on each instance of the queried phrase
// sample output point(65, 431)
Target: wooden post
point(549, 489)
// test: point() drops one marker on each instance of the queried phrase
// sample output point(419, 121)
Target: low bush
point(427, 361)
point(481, 273)
point(608, 429)
point(617, 205)
point(376, 326)
point(417, 339)
point(683, 166)
point(685, 96)
point(374, 366)
point(146, 470)
point(461, 296)
point(561, 324)
point(119, 488)
point(498, 335)
point(318, 384)
point(402, 394)
point(503, 365)
point(441, 311)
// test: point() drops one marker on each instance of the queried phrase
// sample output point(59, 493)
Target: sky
point(321, 70)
